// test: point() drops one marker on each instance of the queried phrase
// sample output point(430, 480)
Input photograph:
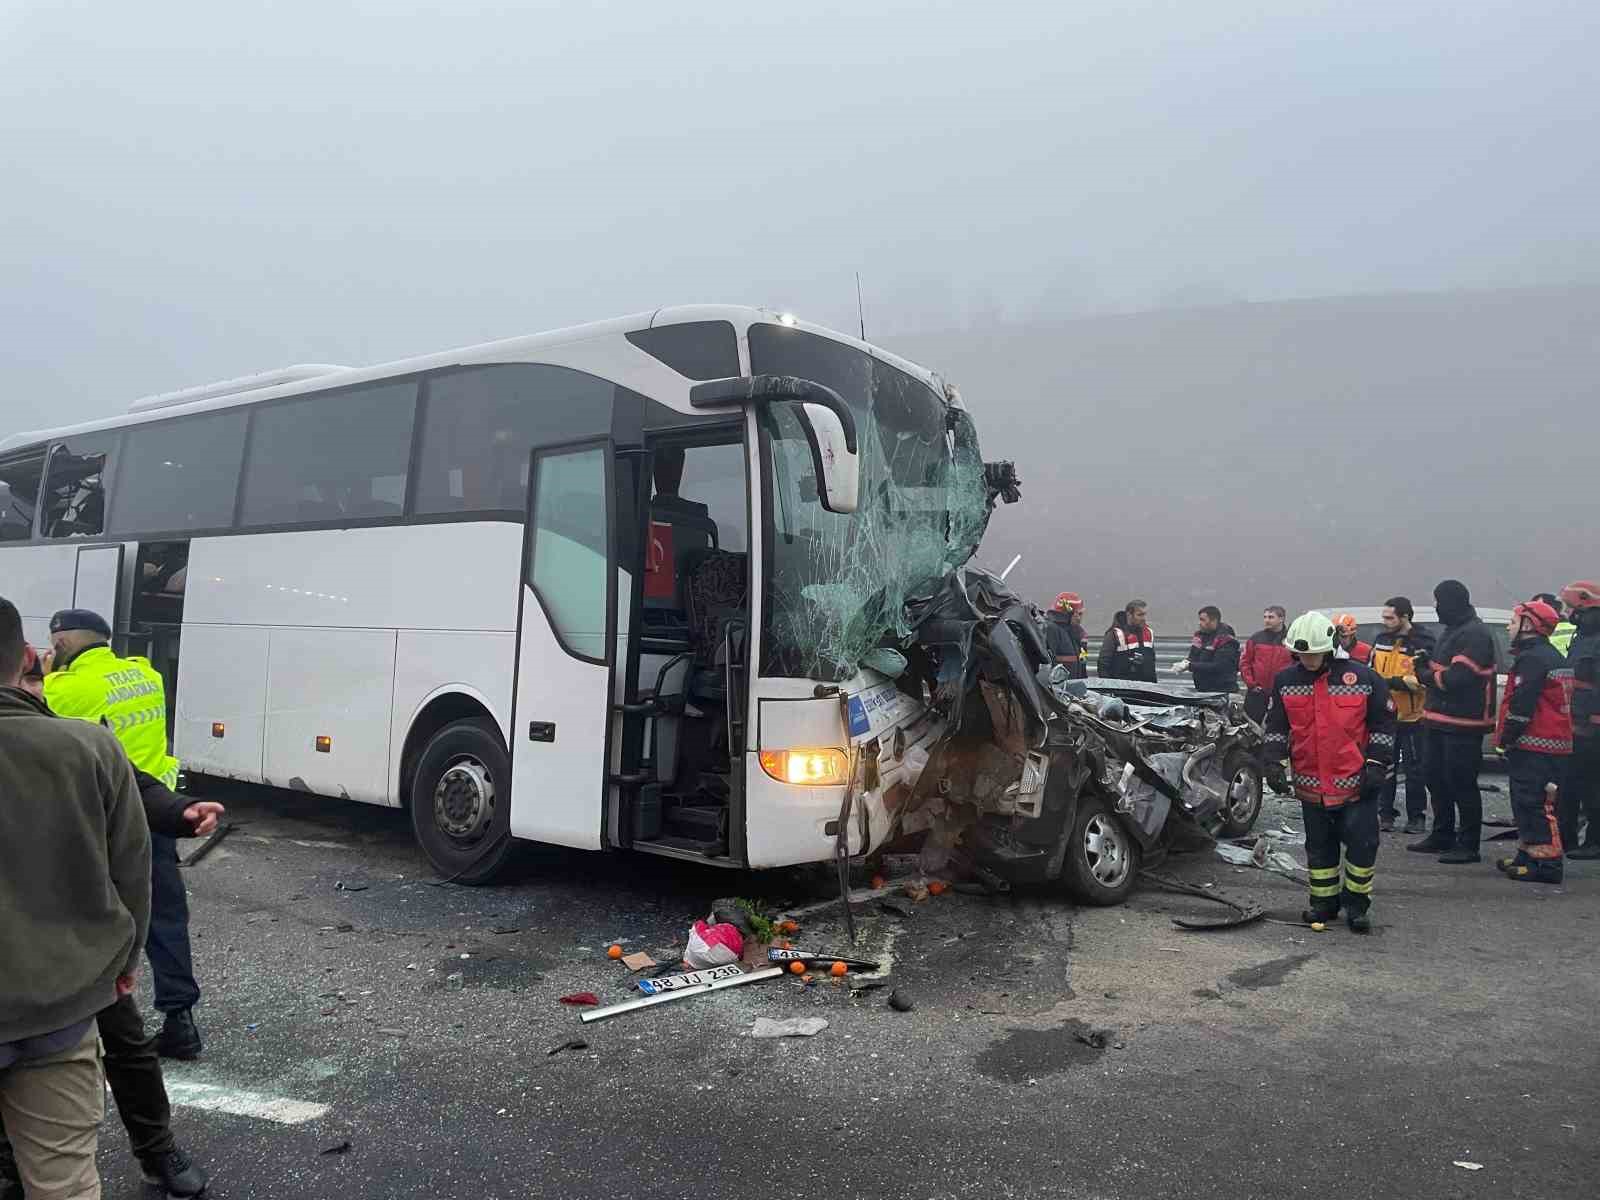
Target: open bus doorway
point(155, 613)
point(690, 662)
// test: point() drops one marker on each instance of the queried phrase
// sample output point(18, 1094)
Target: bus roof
point(313, 377)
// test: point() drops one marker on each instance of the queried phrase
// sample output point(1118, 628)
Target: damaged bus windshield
point(837, 584)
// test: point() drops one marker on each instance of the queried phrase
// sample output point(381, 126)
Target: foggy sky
point(192, 190)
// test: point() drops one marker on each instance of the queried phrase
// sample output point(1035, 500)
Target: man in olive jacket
point(74, 911)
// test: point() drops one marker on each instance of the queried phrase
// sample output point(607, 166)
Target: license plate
point(671, 983)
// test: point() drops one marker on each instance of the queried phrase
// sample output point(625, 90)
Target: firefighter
point(1349, 640)
point(1565, 630)
point(88, 681)
point(1064, 635)
point(1333, 719)
point(1581, 796)
point(1534, 732)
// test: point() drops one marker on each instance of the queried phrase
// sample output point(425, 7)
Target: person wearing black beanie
point(1458, 711)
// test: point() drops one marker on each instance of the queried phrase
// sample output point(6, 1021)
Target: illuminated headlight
point(812, 768)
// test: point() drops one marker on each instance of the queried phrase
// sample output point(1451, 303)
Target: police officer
point(88, 681)
point(1333, 719)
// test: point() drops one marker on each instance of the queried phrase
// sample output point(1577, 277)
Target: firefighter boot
point(1507, 865)
point(1320, 914)
point(1359, 922)
point(1538, 870)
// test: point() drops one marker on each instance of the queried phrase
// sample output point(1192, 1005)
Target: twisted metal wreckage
point(1033, 777)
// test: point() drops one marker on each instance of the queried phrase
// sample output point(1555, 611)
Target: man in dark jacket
point(1263, 657)
point(74, 908)
point(132, 1064)
point(1064, 635)
point(1581, 796)
point(1213, 654)
point(1129, 649)
point(1458, 711)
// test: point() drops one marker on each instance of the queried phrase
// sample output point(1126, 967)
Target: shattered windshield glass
point(837, 585)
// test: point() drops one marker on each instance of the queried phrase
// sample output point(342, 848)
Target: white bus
point(620, 585)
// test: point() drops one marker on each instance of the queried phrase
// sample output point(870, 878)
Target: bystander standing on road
point(1263, 656)
point(1129, 648)
point(1394, 653)
point(1213, 659)
point(74, 908)
point(1458, 711)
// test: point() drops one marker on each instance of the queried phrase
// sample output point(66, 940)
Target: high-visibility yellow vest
point(1561, 639)
point(127, 696)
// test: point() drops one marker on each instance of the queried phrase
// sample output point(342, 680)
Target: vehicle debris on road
point(768, 1027)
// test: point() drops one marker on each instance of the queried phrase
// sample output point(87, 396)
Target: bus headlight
point(812, 768)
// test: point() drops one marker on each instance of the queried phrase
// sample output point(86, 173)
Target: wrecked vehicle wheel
point(1102, 861)
point(1242, 805)
point(460, 801)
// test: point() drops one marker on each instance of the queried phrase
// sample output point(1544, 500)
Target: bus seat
point(713, 591)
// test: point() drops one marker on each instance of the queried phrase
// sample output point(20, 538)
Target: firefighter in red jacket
point(1534, 732)
point(1349, 639)
point(1333, 719)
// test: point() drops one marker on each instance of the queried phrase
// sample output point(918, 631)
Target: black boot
point(1460, 855)
point(1359, 922)
point(1318, 915)
point(1591, 850)
point(179, 1036)
point(1434, 843)
point(10, 1180)
point(1545, 870)
point(1507, 865)
point(174, 1171)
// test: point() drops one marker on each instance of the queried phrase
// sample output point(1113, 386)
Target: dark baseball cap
point(79, 618)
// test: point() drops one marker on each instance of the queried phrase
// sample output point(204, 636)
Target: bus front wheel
point(460, 802)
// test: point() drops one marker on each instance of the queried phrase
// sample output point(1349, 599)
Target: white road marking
point(211, 1097)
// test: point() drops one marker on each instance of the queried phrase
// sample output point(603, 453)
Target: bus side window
point(19, 495)
point(76, 480)
point(568, 568)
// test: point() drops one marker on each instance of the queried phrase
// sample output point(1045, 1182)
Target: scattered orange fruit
point(936, 888)
point(838, 969)
point(877, 881)
point(614, 952)
point(787, 927)
point(797, 968)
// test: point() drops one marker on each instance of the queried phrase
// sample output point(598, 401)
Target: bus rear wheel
point(460, 802)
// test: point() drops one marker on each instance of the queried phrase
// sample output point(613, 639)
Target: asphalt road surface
point(371, 1036)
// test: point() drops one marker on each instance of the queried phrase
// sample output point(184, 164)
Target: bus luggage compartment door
point(566, 647)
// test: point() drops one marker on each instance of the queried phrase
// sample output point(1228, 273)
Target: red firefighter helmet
point(1070, 600)
point(1582, 594)
point(1540, 615)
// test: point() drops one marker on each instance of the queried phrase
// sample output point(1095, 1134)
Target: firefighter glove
point(1277, 778)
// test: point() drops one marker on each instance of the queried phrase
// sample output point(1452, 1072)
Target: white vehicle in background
point(611, 586)
point(1369, 624)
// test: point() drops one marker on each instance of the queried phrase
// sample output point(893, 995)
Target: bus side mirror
point(838, 466)
point(829, 425)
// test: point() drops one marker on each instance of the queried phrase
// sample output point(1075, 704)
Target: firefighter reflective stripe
point(1358, 879)
point(1381, 739)
point(1324, 882)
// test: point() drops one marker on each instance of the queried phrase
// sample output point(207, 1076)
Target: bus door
point(566, 647)
point(97, 579)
